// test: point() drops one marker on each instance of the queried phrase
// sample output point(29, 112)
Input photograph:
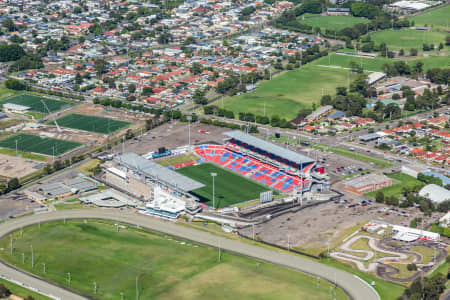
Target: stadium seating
point(251, 167)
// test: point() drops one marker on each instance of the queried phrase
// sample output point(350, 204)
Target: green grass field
point(35, 104)
point(436, 18)
point(330, 22)
point(287, 93)
point(21, 291)
point(91, 123)
point(179, 159)
point(165, 267)
point(4, 92)
point(37, 144)
point(377, 63)
point(400, 180)
point(408, 38)
point(230, 188)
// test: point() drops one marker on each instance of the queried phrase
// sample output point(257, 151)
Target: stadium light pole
point(189, 118)
point(214, 200)
point(32, 256)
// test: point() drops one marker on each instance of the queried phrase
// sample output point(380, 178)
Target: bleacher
point(251, 167)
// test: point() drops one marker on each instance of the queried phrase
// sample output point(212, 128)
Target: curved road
point(352, 285)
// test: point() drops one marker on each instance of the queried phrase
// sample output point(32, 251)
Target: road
point(351, 284)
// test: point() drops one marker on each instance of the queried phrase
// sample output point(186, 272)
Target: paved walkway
point(351, 284)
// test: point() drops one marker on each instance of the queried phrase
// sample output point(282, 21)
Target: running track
point(352, 285)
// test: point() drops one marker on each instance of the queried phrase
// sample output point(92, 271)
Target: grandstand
point(269, 164)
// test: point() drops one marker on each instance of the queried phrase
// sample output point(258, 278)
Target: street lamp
point(214, 202)
point(189, 118)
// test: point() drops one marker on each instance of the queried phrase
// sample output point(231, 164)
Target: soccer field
point(230, 188)
point(438, 18)
point(35, 104)
point(408, 38)
point(37, 144)
point(91, 123)
point(287, 93)
point(330, 22)
point(165, 267)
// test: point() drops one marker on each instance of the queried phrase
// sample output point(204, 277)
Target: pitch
point(35, 104)
point(165, 267)
point(230, 188)
point(91, 123)
point(37, 144)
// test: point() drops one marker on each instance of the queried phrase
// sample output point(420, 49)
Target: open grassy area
point(73, 205)
point(89, 166)
point(37, 144)
point(165, 268)
point(376, 64)
point(179, 159)
point(408, 38)
point(91, 123)
point(35, 104)
point(4, 92)
point(330, 22)
point(437, 18)
point(382, 163)
point(230, 188)
point(22, 292)
point(287, 93)
point(396, 189)
point(12, 152)
point(427, 253)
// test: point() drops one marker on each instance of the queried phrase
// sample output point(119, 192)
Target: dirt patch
point(12, 166)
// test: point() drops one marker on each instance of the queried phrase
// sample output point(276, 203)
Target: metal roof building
point(157, 172)
point(269, 147)
point(435, 193)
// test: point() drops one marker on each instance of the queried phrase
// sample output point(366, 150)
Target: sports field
point(35, 104)
point(91, 123)
point(330, 22)
point(408, 38)
point(37, 144)
point(396, 189)
point(376, 64)
point(287, 93)
point(438, 18)
point(165, 267)
point(230, 188)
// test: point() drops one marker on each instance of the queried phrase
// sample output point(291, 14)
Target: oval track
point(355, 287)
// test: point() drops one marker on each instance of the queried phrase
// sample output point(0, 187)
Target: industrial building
point(435, 193)
point(367, 183)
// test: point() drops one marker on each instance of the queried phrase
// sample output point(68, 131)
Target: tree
point(13, 184)
point(413, 52)
point(411, 267)
point(131, 88)
point(379, 198)
point(100, 66)
point(11, 52)
point(447, 40)
point(199, 97)
point(4, 291)
point(78, 79)
point(9, 25)
point(15, 84)
point(147, 90)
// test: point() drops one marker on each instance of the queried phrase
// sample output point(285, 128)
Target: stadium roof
point(158, 172)
point(269, 147)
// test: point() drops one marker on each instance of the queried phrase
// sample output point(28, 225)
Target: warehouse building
point(367, 183)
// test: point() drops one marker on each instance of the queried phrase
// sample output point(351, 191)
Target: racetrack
point(352, 285)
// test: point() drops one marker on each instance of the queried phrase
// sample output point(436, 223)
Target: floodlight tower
point(54, 119)
point(214, 202)
point(189, 118)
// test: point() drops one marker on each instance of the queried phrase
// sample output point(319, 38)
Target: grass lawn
point(35, 104)
point(91, 123)
point(427, 253)
point(179, 159)
point(407, 38)
point(22, 292)
point(437, 18)
point(287, 93)
point(12, 152)
point(89, 166)
point(361, 244)
point(396, 189)
point(230, 188)
point(403, 271)
point(330, 22)
point(166, 268)
point(4, 92)
point(73, 205)
point(382, 163)
point(37, 144)
point(377, 63)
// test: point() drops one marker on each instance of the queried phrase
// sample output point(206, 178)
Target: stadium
point(245, 166)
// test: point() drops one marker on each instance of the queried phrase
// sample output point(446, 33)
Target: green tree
point(379, 197)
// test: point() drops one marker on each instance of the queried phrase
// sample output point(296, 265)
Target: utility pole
point(214, 200)
point(11, 243)
point(121, 295)
point(137, 290)
point(32, 256)
point(219, 251)
point(23, 258)
point(189, 118)
point(44, 267)
point(16, 147)
point(95, 288)
point(68, 275)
